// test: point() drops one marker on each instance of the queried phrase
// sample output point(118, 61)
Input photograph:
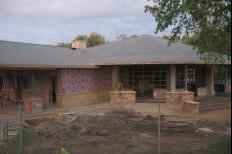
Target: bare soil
point(117, 132)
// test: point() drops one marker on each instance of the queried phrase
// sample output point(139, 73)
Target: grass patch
point(13, 146)
point(219, 146)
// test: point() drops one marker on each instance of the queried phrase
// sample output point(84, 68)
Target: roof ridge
point(45, 45)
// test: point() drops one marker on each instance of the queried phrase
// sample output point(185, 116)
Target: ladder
point(4, 92)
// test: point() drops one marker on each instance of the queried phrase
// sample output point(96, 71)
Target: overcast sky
point(52, 21)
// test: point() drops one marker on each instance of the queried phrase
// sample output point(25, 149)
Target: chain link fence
point(101, 129)
point(114, 130)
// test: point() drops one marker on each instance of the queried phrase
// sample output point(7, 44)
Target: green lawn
point(219, 146)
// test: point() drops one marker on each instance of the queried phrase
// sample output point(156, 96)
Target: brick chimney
point(78, 44)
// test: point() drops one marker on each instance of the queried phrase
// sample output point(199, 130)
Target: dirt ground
point(115, 129)
point(121, 131)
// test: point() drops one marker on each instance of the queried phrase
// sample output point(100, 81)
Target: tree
point(190, 40)
point(82, 37)
point(92, 40)
point(124, 36)
point(64, 45)
point(209, 21)
point(95, 39)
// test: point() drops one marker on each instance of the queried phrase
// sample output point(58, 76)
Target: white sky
point(52, 21)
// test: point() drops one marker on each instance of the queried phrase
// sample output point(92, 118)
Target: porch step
point(214, 106)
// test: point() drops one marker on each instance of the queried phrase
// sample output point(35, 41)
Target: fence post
point(20, 103)
point(159, 114)
point(3, 130)
point(159, 127)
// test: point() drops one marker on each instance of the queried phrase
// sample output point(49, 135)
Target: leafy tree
point(95, 39)
point(190, 40)
point(124, 36)
point(92, 40)
point(209, 21)
point(82, 37)
point(64, 45)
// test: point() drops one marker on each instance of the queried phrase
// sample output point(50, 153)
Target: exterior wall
point(175, 99)
point(83, 86)
point(123, 97)
point(161, 93)
point(42, 84)
point(9, 85)
point(202, 92)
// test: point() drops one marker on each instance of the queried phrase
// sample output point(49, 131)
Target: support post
point(172, 78)
point(210, 81)
point(159, 128)
point(33, 85)
point(186, 78)
point(20, 110)
point(115, 77)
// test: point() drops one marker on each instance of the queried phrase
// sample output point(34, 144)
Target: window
point(196, 77)
point(144, 79)
point(180, 77)
point(26, 83)
point(201, 77)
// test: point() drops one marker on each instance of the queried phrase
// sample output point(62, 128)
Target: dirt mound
point(118, 122)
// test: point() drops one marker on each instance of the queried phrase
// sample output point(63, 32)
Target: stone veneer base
point(82, 98)
point(123, 97)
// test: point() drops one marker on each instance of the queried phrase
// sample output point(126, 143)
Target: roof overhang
point(16, 66)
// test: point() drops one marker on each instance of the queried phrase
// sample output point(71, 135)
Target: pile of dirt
point(117, 123)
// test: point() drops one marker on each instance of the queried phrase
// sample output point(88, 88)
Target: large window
point(196, 77)
point(180, 84)
point(144, 79)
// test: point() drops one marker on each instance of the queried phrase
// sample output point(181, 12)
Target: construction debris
point(205, 130)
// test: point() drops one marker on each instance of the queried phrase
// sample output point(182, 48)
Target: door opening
point(53, 90)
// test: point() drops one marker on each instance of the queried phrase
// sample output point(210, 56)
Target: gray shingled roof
point(14, 54)
point(144, 50)
point(140, 50)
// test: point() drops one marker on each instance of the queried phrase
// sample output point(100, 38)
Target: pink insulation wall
point(75, 81)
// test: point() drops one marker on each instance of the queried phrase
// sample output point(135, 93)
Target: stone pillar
point(115, 77)
point(210, 81)
point(172, 78)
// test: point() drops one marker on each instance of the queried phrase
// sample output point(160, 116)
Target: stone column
point(172, 78)
point(210, 81)
point(115, 77)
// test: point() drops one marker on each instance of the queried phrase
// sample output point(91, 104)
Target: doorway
point(53, 86)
